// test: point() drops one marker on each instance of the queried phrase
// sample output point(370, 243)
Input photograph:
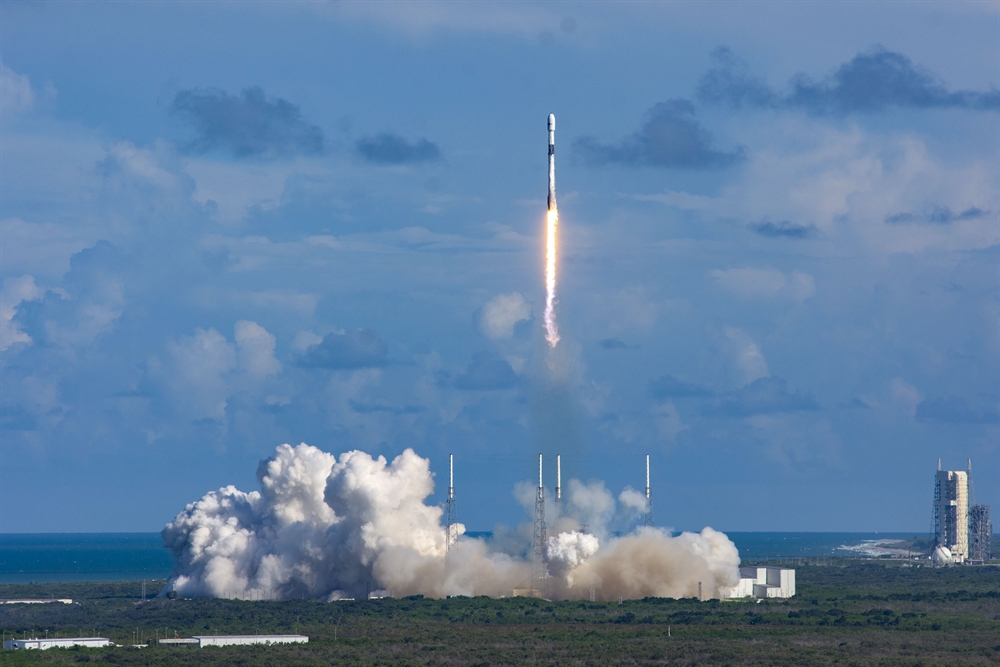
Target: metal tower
point(538, 569)
point(451, 514)
point(647, 517)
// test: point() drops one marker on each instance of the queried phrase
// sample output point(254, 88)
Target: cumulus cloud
point(767, 395)
point(246, 125)
point(872, 81)
point(485, 372)
point(15, 91)
point(206, 370)
point(670, 137)
point(13, 293)
point(502, 313)
point(389, 148)
point(836, 179)
point(255, 350)
point(955, 410)
point(667, 386)
point(360, 348)
point(750, 282)
point(749, 357)
point(89, 306)
point(326, 527)
point(198, 375)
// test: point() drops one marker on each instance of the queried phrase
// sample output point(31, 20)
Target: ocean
point(63, 557)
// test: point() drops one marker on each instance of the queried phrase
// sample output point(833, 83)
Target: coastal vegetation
point(846, 612)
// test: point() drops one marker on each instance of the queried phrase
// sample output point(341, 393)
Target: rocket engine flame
point(551, 243)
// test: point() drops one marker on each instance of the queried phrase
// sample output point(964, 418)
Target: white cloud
point(768, 283)
point(255, 350)
point(41, 248)
point(424, 17)
point(668, 421)
point(845, 181)
point(15, 91)
point(237, 187)
point(141, 164)
point(749, 357)
point(199, 373)
point(502, 313)
point(905, 396)
point(14, 292)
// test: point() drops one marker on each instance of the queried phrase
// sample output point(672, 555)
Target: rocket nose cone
point(552, 122)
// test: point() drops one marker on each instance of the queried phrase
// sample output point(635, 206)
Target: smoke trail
point(329, 528)
point(551, 242)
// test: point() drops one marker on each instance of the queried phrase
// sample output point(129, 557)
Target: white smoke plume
point(327, 527)
point(634, 501)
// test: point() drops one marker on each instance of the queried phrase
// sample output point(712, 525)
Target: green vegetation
point(849, 613)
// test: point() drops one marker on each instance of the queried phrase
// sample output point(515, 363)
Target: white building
point(242, 640)
point(37, 601)
point(951, 512)
point(764, 582)
point(42, 644)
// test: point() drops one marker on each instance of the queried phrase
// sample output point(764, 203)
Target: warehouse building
point(764, 582)
point(43, 644)
point(244, 640)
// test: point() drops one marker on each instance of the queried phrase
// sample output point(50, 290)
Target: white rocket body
point(552, 161)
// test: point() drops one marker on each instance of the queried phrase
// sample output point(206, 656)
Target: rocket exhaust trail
point(551, 243)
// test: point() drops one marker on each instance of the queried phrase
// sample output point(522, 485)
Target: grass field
point(848, 613)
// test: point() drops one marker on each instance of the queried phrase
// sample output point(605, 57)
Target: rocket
point(552, 162)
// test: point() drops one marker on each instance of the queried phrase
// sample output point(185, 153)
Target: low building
point(764, 582)
point(43, 643)
point(37, 601)
point(243, 640)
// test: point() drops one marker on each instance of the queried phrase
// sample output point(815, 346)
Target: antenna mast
point(647, 518)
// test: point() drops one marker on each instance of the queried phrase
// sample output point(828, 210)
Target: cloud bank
point(671, 137)
point(872, 81)
point(246, 125)
point(389, 148)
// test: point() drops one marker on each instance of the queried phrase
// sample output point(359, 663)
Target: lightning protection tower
point(558, 479)
point(647, 517)
point(538, 569)
point(451, 514)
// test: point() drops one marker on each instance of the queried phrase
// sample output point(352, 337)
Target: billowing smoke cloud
point(327, 527)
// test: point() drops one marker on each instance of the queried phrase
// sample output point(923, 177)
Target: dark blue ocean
point(60, 557)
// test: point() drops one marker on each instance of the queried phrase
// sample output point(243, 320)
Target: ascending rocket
point(552, 161)
point(551, 243)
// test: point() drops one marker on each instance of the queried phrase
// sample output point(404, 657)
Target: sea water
point(62, 557)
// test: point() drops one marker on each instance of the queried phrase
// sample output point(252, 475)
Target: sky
point(228, 226)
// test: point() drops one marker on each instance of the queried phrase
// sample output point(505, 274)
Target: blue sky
point(228, 226)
